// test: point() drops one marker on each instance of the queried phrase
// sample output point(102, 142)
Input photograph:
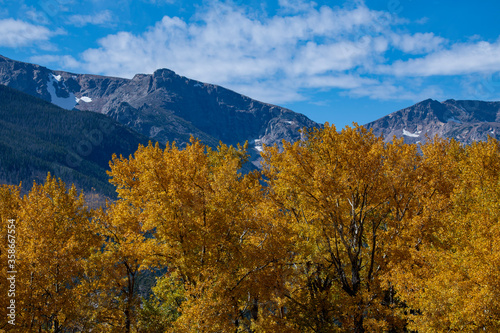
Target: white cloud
point(63, 61)
point(276, 58)
point(396, 91)
point(227, 45)
point(34, 15)
point(295, 6)
point(418, 43)
point(339, 81)
point(102, 18)
point(37, 17)
point(460, 59)
point(17, 33)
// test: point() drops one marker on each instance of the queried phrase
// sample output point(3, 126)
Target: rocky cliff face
point(465, 121)
point(163, 106)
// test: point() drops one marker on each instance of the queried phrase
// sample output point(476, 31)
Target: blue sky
point(335, 61)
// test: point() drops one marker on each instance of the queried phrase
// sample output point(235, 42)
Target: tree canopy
point(339, 232)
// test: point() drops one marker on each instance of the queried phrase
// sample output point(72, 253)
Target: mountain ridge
point(167, 107)
point(464, 120)
point(163, 106)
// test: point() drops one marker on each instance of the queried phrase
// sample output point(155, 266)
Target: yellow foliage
point(450, 281)
point(205, 225)
point(338, 232)
point(343, 196)
point(54, 238)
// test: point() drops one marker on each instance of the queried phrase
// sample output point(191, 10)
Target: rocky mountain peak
point(466, 121)
point(164, 72)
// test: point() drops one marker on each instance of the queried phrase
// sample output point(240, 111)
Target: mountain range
point(57, 121)
point(465, 121)
point(162, 106)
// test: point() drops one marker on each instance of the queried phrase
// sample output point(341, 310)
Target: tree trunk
point(57, 328)
point(358, 319)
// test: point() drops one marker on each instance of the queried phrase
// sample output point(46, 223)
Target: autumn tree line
point(340, 232)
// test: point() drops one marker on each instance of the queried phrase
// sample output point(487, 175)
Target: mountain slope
point(163, 106)
point(465, 121)
point(37, 137)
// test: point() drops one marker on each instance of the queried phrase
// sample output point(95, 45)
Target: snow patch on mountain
point(413, 135)
point(67, 103)
point(84, 99)
point(258, 145)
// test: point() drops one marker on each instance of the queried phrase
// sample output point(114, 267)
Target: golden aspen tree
point(55, 237)
point(201, 213)
point(113, 272)
point(450, 281)
point(343, 195)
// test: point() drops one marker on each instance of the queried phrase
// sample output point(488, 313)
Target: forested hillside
point(341, 232)
point(37, 137)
